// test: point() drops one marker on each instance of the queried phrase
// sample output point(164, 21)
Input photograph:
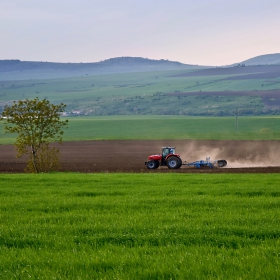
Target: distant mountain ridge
point(21, 70)
point(26, 70)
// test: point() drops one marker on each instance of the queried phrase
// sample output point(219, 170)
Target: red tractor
point(169, 158)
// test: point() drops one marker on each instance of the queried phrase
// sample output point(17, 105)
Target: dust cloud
point(236, 153)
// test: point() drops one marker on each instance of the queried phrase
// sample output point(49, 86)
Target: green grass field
point(166, 127)
point(139, 226)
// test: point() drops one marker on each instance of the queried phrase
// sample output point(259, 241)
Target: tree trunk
point(34, 162)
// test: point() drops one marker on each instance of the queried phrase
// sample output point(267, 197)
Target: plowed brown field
point(129, 156)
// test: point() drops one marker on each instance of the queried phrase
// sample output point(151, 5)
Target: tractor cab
point(166, 151)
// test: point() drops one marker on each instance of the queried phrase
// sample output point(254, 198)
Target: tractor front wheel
point(174, 162)
point(152, 164)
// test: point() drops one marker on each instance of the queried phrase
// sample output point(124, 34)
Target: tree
point(37, 123)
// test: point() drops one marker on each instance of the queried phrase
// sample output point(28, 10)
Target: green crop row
point(166, 127)
point(139, 226)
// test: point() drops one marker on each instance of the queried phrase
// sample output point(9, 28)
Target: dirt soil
point(129, 156)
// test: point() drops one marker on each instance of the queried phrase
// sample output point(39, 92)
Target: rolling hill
point(139, 86)
point(266, 59)
point(25, 70)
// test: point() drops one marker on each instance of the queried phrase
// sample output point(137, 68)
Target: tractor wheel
point(180, 163)
point(222, 163)
point(174, 162)
point(152, 164)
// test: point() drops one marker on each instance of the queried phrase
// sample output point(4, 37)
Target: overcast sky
point(204, 32)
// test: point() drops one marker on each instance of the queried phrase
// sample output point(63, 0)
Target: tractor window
point(165, 152)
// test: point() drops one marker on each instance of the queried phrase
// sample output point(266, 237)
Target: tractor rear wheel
point(152, 164)
point(173, 162)
point(222, 163)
